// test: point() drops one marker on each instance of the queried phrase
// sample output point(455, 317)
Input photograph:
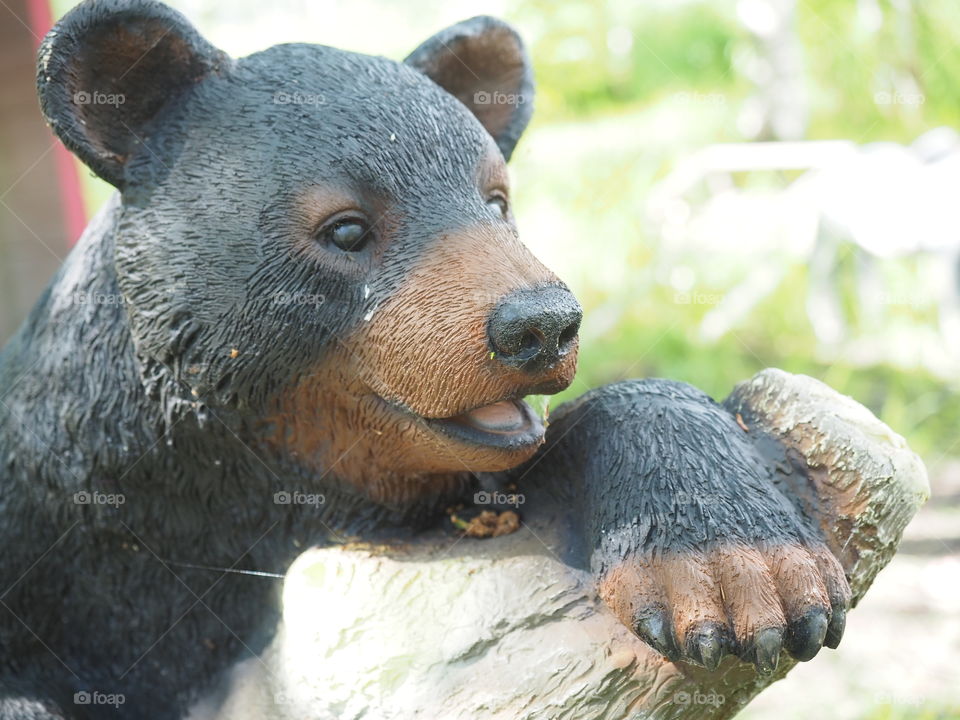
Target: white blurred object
point(890, 202)
point(881, 201)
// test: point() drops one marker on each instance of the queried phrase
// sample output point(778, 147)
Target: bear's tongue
point(505, 416)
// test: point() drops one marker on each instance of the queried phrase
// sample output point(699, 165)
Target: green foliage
point(891, 712)
point(603, 55)
point(854, 54)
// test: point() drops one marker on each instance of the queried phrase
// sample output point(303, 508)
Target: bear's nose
point(533, 329)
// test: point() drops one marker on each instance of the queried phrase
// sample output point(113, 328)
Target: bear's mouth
point(509, 424)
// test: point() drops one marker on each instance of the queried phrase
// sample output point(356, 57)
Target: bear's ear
point(109, 67)
point(483, 63)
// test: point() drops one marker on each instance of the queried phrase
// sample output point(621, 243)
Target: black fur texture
point(698, 481)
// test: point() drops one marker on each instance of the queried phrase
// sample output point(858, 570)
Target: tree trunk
point(502, 629)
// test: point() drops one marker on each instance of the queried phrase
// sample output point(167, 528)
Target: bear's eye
point(498, 203)
point(348, 234)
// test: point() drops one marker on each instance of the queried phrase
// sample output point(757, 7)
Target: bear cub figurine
point(310, 284)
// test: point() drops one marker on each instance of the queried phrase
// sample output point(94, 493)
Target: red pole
point(40, 19)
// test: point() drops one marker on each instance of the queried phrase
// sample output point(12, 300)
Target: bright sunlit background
point(733, 185)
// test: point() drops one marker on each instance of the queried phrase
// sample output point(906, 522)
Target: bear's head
point(316, 246)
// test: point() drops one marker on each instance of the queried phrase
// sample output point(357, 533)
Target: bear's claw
point(767, 645)
point(838, 621)
point(707, 645)
point(656, 631)
point(805, 634)
point(700, 607)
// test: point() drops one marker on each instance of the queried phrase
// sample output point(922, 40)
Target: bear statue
point(305, 323)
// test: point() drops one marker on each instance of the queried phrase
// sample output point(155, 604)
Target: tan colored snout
point(428, 347)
